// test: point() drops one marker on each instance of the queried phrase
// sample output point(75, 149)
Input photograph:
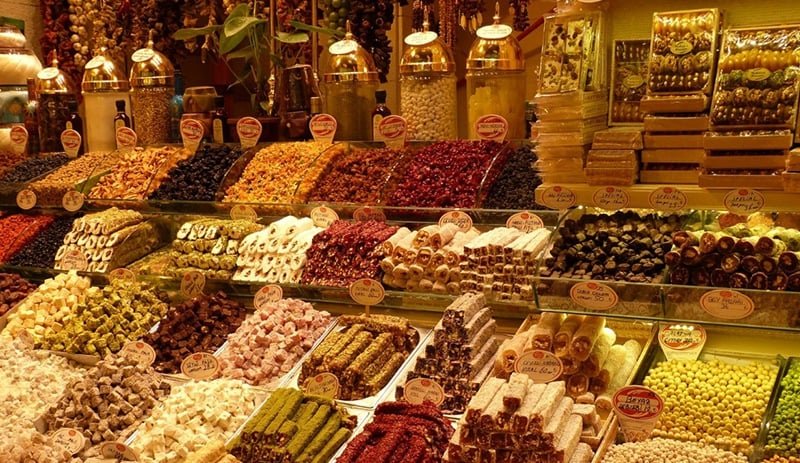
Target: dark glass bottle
point(121, 119)
point(219, 121)
point(75, 122)
point(380, 111)
point(31, 121)
point(176, 109)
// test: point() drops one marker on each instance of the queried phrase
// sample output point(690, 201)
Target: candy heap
point(783, 432)
point(355, 176)
point(108, 401)
point(364, 354)
point(593, 366)
point(109, 239)
point(459, 354)
point(197, 325)
point(669, 450)
point(692, 389)
point(109, 318)
point(13, 290)
point(271, 342)
point(426, 259)
point(293, 427)
point(520, 420)
point(194, 414)
point(209, 246)
point(400, 432)
point(20, 445)
point(276, 254)
point(502, 262)
point(346, 252)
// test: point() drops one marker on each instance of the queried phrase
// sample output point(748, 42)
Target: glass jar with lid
point(428, 87)
point(54, 92)
point(104, 83)
point(496, 78)
point(152, 81)
point(349, 86)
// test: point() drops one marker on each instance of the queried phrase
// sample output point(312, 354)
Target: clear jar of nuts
point(153, 81)
point(428, 88)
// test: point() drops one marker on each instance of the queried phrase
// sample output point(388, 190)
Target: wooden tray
point(782, 141)
point(696, 103)
point(659, 141)
point(744, 162)
point(676, 124)
point(761, 182)
point(670, 177)
point(673, 156)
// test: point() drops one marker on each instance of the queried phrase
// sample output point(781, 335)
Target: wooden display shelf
point(640, 196)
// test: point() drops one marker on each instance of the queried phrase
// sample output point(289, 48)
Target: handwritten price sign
point(323, 384)
point(201, 365)
point(193, 283)
point(540, 365)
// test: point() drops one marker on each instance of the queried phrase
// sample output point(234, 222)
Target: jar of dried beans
point(152, 80)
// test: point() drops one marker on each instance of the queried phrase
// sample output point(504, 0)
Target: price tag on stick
point(681, 342)
point(393, 130)
point(323, 384)
point(193, 283)
point(71, 439)
point(249, 130)
point(200, 365)
point(126, 138)
point(192, 132)
point(71, 141)
point(367, 292)
point(323, 127)
point(19, 139)
point(268, 294)
point(638, 409)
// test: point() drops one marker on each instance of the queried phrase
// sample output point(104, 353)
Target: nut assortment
point(31, 168)
point(713, 402)
point(364, 353)
point(683, 51)
point(270, 342)
point(757, 81)
point(139, 172)
point(657, 450)
point(783, 433)
point(197, 325)
point(50, 189)
point(151, 109)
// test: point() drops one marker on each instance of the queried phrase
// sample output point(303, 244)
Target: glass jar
point(152, 80)
point(103, 85)
point(496, 79)
point(54, 91)
point(349, 86)
point(17, 65)
point(199, 99)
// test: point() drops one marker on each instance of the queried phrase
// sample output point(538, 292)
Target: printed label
point(393, 130)
point(558, 197)
point(249, 130)
point(633, 81)
point(593, 296)
point(611, 198)
point(71, 141)
point(193, 283)
point(71, 439)
point(460, 219)
point(638, 409)
point(143, 54)
point(267, 295)
point(74, 259)
point(366, 213)
point(123, 274)
point(323, 216)
point(420, 390)
point(421, 38)
point(727, 304)
point(200, 365)
point(47, 73)
point(243, 212)
point(323, 127)
point(757, 74)
point(72, 201)
point(667, 198)
point(324, 385)
point(491, 127)
point(494, 31)
point(19, 139)
point(682, 342)
point(192, 132)
point(525, 221)
point(26, 199)
point(367, 291)
point(141, 352)
point(744, 201)
point(681, 47)
point(126, 138)
point(540, 365)
point(118, 451)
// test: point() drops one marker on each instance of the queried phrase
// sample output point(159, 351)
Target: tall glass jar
point(428, 88)
point(54, 91)
point(152, 80)
point(104, 83)
point(496, 78)
point(349, 86)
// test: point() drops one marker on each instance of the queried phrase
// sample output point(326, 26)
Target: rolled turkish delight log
point(389, 245)
point(585, 337)
point(592, 365)
point(542, 333)
point(563, 338)
point(619, 373)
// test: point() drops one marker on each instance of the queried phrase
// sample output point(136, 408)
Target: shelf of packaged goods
point(666, 198)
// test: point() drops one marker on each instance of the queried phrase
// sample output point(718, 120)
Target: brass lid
point(103, 75)
point(350, 62)
point(426, 54)
point(151, 68)
point(53, 80)
point(496, 49)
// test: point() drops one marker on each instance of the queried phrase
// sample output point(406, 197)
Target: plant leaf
point(309, 28)
point(239, 24)
point(294, 37)
point(241, 9)
point(192, 32)
point(244, 52)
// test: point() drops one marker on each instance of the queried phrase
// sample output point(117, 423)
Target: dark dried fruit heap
point(199, 177)
point(13, 289)
point(401, 433)
point(41, 252)
point(515, 187)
